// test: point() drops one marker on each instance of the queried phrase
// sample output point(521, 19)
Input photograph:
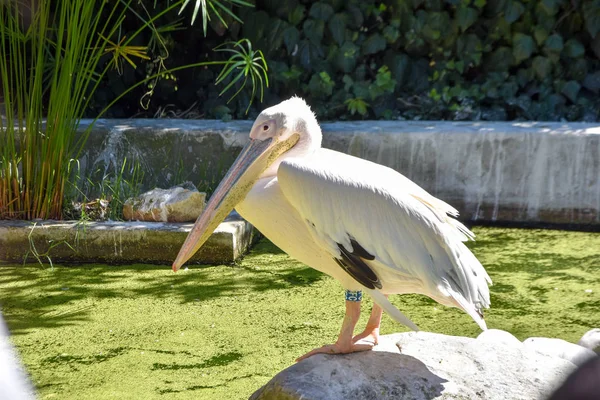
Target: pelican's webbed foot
point(371, 332)
point(346, 343)
point(339, 348)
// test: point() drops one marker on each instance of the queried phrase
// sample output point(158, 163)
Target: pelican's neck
point(310, 141)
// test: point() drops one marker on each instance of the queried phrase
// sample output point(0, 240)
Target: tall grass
point(56, 61)
point(53, 61)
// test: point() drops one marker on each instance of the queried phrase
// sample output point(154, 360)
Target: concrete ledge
point(520, 172)
point(121, 242)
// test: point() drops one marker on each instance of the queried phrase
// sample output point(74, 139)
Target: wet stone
point(181, 203)
point(117, 242)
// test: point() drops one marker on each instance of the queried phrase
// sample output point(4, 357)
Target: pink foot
point(336, 348)
point(369, 335)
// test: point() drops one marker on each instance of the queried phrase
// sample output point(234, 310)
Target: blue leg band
point(353, 295)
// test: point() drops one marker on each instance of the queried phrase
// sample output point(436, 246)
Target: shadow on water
point(219, 360)
point(225, 382)
point(33, 297)
point(73, 359)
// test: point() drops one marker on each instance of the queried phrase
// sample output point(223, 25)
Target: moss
point(141, 331)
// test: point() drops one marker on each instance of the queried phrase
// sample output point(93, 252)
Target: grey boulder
point(575, 353)
point(591, 340)
point(422, 365)
point(182, 203)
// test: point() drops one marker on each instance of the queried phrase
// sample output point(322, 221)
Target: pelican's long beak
point(254, 158)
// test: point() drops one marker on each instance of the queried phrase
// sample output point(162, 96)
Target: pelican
point(365, 225)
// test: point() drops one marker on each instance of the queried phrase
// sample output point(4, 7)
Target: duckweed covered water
point(143, 332)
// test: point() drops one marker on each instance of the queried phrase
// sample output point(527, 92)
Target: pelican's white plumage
point(318, 204)
point(318, 201)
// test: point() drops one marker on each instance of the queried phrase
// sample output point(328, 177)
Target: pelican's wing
point(369, 215)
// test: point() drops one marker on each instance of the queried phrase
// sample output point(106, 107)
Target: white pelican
point(364, 224)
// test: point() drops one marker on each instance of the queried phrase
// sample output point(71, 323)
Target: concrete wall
point(514, 172)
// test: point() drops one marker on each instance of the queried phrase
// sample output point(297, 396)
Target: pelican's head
point(288, 128)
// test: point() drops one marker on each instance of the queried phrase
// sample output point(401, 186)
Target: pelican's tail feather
point(391, 310)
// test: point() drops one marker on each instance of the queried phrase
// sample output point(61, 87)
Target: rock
point(583, 384)
point(423, 365)
point(181, 203)
point(95, 210)
point(591, 340)
point(118, 242)
point(499, 336)
point(560, 348)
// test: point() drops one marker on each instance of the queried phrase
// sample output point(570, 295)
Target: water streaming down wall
point(518, 172)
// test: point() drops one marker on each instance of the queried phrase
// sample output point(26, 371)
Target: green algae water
point(220, 332)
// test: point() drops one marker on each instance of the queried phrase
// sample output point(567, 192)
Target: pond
point(215, 332)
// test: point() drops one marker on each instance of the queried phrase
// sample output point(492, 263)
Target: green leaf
point(360, 89)
point(400, 67)
point(480, 3)
point(495, 7)
point(274, 35)
point(523, 47)
point(500, 60)
point(542, 67)
point(577, 69)
point(355, 16)
point(592, 82)
point(508, 89)
point(321, 84)
point(465, 17)
point(254, 29)
point(346, 57)
point(293, 74)
point(573, 48)
point(348, 82)
point(540, 34)
point(313, 29)
point(524, 76)
point(384, 79)
point(357, 105)
point(469, 47)
point(437, 23)
point(591, 14)
point(513, 11)
point(391, 34)
point(297, 15)
point(571, 90)
point(291, 36)
point(595, 46)
point(309, 54)
point(337, 27)
point(373, 44)
point(554, 43)
point(321, 11)
point(550, 6)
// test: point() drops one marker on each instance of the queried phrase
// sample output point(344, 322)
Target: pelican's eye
point(265, 127)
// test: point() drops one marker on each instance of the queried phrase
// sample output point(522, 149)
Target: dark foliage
point(413, 59)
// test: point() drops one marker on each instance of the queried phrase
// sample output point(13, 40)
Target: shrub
point(354, 59)
point(453, 59)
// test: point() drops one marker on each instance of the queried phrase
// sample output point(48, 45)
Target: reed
point(50, 67)
point(48, 71)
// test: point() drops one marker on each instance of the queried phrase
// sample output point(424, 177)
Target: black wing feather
point(353, 263)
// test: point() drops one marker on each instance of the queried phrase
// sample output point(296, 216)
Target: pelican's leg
point(371, 332)
point(345, 343)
